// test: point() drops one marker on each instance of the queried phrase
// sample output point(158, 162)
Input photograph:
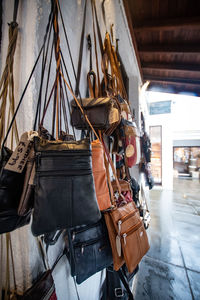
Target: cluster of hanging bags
point(66, 184)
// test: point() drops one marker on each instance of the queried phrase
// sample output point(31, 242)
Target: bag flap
point(90, 102)
point(45, 145)
point(125, 185)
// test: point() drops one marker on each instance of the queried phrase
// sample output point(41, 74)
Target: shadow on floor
point(171, 268)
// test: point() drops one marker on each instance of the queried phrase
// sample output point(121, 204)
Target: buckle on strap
point(119, 292)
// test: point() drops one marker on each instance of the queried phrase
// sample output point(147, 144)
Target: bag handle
point(125, 283)
point(81, 52)
point(28, 81)
point(85, 116)
point(9, 255)
point(113, 202)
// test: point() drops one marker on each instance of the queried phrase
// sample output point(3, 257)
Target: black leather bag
point(118, 284)
point(64, 186)
point(11, 185)
point(88, 250)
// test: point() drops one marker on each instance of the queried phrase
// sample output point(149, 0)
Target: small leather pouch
point(89, 250)
point(103, 114)
point(126, 192)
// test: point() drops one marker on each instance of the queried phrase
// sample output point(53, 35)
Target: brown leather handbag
point(103, 113)
point(100, 176)
point(127, 235)
point(128, 238)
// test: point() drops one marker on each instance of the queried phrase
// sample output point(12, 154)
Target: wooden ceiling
point(166, 37)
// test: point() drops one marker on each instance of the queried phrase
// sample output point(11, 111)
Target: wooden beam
point(165, 49)
point(129, 20)
point(170, 67)
point(172, 81)
point(169, 24)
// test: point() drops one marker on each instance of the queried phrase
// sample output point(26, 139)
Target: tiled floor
point(171, 268)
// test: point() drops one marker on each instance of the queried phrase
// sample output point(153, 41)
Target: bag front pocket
point(91, 257)
point(135, 245)
point(52, 204)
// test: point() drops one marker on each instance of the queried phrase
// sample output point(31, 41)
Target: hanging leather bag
point(89, 250)
point(64, 184)
point(100, 176)
point(103, 113)
point(128, 238)
point(11, 185)
point(125, 191)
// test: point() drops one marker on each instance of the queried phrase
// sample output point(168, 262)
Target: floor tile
point(160, 281)
point(194, 278)
point(191, 255)
point(164, 249)
point(188, 232)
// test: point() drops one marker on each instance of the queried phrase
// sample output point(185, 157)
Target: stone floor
point(171, 268)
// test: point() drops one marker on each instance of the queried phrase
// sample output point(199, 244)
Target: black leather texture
point(113, 288)
point(89, 250)
point(11, 185)
point(64, 188)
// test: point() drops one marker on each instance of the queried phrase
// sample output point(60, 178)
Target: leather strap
point(125, 283)
point(28, 81)
point(98, 28)
point(89, 41)
point(81, 52)
point(44, 62)
point(15, 10)
point(86, 118)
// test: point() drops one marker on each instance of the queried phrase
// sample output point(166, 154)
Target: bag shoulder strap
point(125, 283)
point(81, 52)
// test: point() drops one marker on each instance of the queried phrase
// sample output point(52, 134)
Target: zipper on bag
point(131, 230)
point(82, 245)
point(124, 218)
point(61, 173)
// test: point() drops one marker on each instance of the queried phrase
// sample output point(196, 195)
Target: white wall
point(32, 19)
point(181, 125)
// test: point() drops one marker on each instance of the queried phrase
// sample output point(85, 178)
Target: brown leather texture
point(118, 261)
point(133, 237)
point(103, 114)
point(100, 176)
point(125, 185)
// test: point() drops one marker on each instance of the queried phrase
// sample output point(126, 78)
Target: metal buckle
point(119, 292)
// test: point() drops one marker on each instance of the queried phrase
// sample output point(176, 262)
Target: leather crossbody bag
point(11, 185)
point(103, 113)
point(100, 176)
point(128, 237)
point(64, 183)
point(89, 250)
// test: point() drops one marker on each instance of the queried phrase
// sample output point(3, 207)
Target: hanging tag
point(18, 159)
point(118, 245)
point(113, 115)
point(130, 150)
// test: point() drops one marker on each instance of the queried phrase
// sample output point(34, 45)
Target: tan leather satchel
point(100, 176)
point(128, 238)
point(127, 235)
